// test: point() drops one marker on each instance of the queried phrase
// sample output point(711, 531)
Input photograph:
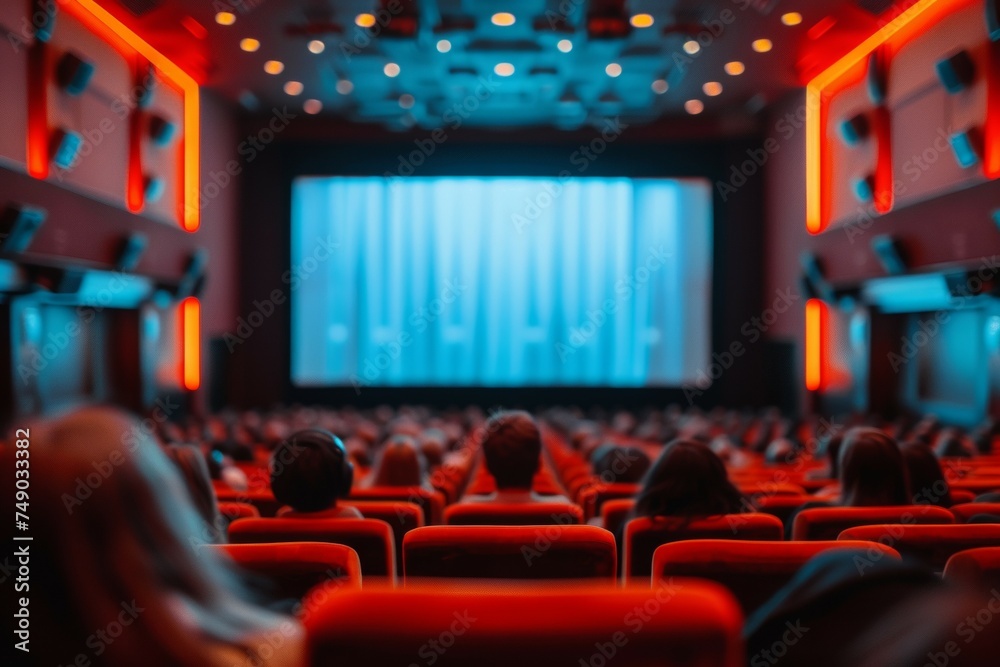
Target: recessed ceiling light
point(294, 87)
point(249, 44)
point(503, 19)
point(274, 67)
point(791, 18)
point(641, 20)
point(504, 69)
point(312, 106)
point(344, 87)
point(564, 45)
point(391, 70)
point(443, 46)
point(364, 20)
point(694, 107)
point(316, 46)
point(613, 70)
point(406, 101)
point(692, 47)
point(734, 68)
point(712, 88)
point(762, 45)
point(660, 86)
point(225, 18)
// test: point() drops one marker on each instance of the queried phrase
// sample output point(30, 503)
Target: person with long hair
point(399, 463)
point(687, 480)
point(872, 472)
point(928, 485)
point(119, 546)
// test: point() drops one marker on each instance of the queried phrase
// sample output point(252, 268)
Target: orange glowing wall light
point(846, 71)
point(816, 321)
point(190, 311)
point(99, 21)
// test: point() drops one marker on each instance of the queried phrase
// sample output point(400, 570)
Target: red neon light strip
point(191, 342)
point(815, 316)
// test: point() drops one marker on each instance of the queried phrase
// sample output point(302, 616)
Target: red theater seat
point(932, 545)
point(295, 567)
point(644, 535)
point(977, 567)
point(430, 501)
point(513, 514)
point(782, 506)
point(977, 485)
point(510, 552)
point(614, 513)
point(688, 623)
point(232, 511)
point(401, 517)
point(592, 498)
point(966, 511)
point(752, 571)
point(826, 523)
point(370, 538)
point(264, 501)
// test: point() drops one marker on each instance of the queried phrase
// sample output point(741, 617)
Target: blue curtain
point(499, 281)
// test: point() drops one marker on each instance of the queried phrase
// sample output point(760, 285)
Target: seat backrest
point(966, 511)
point(291, 569)
point(782, 506)
point(510, 552)
point(932, 545)
point(614, 513)
point(752, 571)
point(592, 498)
point(512, 514)
point(687, 623)
point(401, 517)
point(370, 538)
point(977, 567)
point(977, 485)
point(826, 523)
point(231, 511)
point(430, 501)
point(264, 501)
point(644, 535)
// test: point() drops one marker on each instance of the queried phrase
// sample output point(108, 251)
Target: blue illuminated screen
point(469, 281)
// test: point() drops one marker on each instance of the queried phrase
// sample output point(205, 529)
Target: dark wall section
point(260, 343)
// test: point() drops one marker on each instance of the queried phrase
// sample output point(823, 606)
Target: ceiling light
point(443, 45)
point(564, 45)
point(762, 45)
point(313, 106)
point(613, 70)
point(712, 88)
point(274, 67)
point(694, 107)
point(692, 47)
point(406, 101)
point(391, 70)
point(734, 68)
point(641, 20)
point(316, 46)
point(344, 87)
point(225, 18)
point(249, 44)
point(364, 20)
point(660, 86)
point(503, 69)
point(503, 19)
point(294, 87)
point(791, 18)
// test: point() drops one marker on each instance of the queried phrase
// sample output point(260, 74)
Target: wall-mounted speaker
point(161, 130)
point(878, 76)
point(967, 147)
point(855, 129)
point(864, 189)
point(18, 225)
point(153, 188)
point(889, 254)
point(43, 18)
point(65, 147)
point(956, 72)
point(993, 19)
point(73, 73)
point(131, 252)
